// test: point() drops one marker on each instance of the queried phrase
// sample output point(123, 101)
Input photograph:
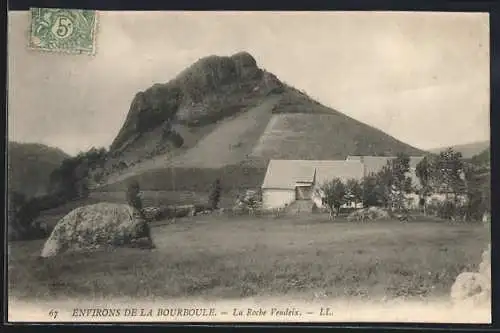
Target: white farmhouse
point(287, 181)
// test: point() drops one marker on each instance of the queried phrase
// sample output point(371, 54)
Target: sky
point(420, 77)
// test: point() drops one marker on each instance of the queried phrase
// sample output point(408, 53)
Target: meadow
point(227, 257)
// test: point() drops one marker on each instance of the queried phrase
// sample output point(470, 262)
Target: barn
point(289, 180)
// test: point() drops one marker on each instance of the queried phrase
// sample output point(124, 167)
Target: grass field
point(195, 179)
point(223, 257)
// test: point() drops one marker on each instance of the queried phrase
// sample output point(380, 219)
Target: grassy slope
point(224, 258)
point(324, 136)
point(194, 179)
point(228, 143)
point(30, 165)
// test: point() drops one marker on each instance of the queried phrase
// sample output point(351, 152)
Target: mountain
point(223, 112)
point(30, 165)
point(468, 150)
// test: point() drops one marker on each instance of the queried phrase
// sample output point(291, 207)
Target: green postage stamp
point(63, 30)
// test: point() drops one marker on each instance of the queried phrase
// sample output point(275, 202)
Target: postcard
point(248, 166)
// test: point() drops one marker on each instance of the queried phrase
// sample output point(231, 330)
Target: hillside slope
point(482, 159)
point(30, 165)
point(226, 111)
point(227, 144)
point(324, 136)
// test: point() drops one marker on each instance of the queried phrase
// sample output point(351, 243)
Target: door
point(303, 192)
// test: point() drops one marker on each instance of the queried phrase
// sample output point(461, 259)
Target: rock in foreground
point(471, 287)
point(474, 287)
point(99, 225)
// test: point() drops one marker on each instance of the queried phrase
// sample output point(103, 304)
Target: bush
point(249, 202)
point(22, 213)
point(170, 212)
point(151, 213)
point(201, 207)
point(168, 133)
point(446, 210)
point(134, 195)
point(122, 165)
point(176, 139)
point(368, 214)
point(214, 196)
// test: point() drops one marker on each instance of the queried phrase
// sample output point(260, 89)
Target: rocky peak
point(208, 90)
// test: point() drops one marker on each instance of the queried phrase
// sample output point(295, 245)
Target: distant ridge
point(468, 150)
point(30, 165)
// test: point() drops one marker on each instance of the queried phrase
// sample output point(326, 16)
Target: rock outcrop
point(99, 225)
point(210, 89)
point(474, 288)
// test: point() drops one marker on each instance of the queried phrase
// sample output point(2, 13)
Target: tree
point(354, 191)
point(478, 191)
point(370, 196)
point(394, 182)
point(449, 176)
point(21, 214)
point(134, 195)
point(250, 201)
point(482, 159)
point(215, 193)
point(63, 179)
point(449, 172)
point(335, 195)
point(424, 174)
point(72, 177)
point(384, 183)
point(16, 201)
point(446, 173)
point(96, 157)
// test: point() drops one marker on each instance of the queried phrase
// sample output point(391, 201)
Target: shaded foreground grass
point(222, 257)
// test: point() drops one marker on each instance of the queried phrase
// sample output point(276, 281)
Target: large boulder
point(474, 287)
point(485, 265)
point(99, 225)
